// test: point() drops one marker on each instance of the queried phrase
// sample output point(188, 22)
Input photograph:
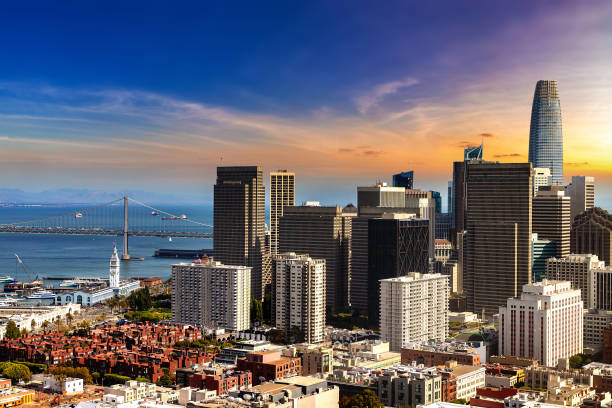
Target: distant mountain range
point(84, 196)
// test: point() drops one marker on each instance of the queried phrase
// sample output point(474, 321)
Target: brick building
point(269, 365)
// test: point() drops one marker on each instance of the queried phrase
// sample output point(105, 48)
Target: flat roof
point(302, 381)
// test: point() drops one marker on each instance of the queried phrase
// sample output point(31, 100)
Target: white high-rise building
point(545, 324)
point(114, 270)
point(298, 295)
point(414, 309)
point(541, 177)
point(581, 271)
point(582, 193)
point(207, 293)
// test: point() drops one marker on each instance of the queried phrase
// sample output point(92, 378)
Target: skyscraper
point(551, 218)
point(582, 192)
point(282, 194)
point(497, 250)
point(473, 153)
point(239, 221)
point(592, 234)
point(404, 179)
point(545, 135)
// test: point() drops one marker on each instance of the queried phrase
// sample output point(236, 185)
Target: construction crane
point(27, 271)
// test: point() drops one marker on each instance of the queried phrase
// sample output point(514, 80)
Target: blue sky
point(155, 94)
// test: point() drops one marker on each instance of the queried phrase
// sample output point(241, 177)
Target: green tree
point(267, 308)
point(17, 372)
point(367, 399)
point(111, 379)
point(140, 299)
point(96, 377)
point(45, 325)
point(296, 335)
point(142, 379)
point(462, 401)
point(24, 332)
point(12, 331)
point(166, 380)
point(276, 336)
point(256, 310)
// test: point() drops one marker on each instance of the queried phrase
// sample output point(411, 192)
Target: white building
point(541, 177)
point(544, 324)
point(469, 379)
point(69, 386)
point(381, 195)
point(132, 391)
point(414, 309)
point(31, 317)
point(209, 294)
point(582, 192)
point(114, 270)
point(581, 271)
point(299, 295)
point(595, 322)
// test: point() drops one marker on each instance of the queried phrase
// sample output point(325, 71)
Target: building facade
point(581, 271)
point(541, 178)
point(497, 242)
point(282, 194)
point(545, 133)
point(239, 222)
point(380, 195)
point(551, 218)
point(542, 251)
point(414, 309)
point(210, 294)
point(581, 190)
point(545, 323)
point(404, 179)
point(595, 322)
point(592, 234)
point(298, 295)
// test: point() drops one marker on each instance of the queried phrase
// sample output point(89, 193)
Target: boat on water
point(41, 294)
point(6, 279)
point(74, 283)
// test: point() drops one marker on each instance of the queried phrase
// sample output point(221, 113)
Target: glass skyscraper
point(404, 179)
point(545, 136)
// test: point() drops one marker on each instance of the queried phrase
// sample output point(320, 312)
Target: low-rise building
point(366, 355)
point(316, 359)
point(542, 377)
point(439, 354)
point(269, 365)
point(32, 317)
point(132, 390)
point(68, 386)
point(14, 396)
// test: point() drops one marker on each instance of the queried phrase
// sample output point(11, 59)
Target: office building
point(592, 234)
point(603, 290)
point(404, 179)
point(581, 271)
point(322, 233)
point(595, 323)
point(206, 293)
point(473, 153)
point(437, 200)
point(541, 178)
point(414, 309)
point(380, 195)
point(546, 323)
point(239, 222)
point(551, 218)
point(497, 244)
point(541, 251)
point(397, 245)
point(470, 155)
point(298, 296)
point(423, 204)
point(443, 226)
point(607, 345)
point(582, 193)
point(545, 134)
point(282, 194)
point(449, 200)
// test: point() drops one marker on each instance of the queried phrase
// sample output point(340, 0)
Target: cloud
point(372, 98)
point(576, 164)
point(486, 135)
point(344, 150)
point(499, 156)
point(372, 153)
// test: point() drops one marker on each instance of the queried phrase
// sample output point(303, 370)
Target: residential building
point(282, 194)
point(239, 222)
point(595, 323)
point(541, 251)
point(405, 386)
point(497, 244)
point(581, 190)
point(132, 390)
point(539, 376)
point(298, 295)
point(551, 218)
point(15, 396)
point(67, 386)
point(380, 195)
point(545, 323)
point(541, 178)
point(439, 354)
point(404, 179)
point(206, 293)
point(322, 233)
point(269, 365)
point(469, 379)
point(592, 234)
point(581, 271)
point(414, 309)
point(365, 355)
point(397, 245)
point(316, 359)
point(607, 345)
point(545, 134)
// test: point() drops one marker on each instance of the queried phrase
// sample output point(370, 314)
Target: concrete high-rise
point(541, 178)
point(545, 133)
point(497, 243)
point(321, 232)
point(582, 192)
point(239, 222)
point(592, 234)
point(414, 309)
point(282, 194)
point(380, 195)
point(580, 270)
point(210, 294)
point(545, 324)
point(298, 295)
point(551, 218)
point(457, 208)
point(423, 204)
point(397, 245)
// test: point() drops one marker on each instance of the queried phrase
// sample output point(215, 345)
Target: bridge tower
point(126, 254)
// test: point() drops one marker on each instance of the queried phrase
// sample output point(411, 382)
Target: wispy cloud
point(372, 98)
point(500, 156)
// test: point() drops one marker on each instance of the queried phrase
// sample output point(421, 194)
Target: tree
point(140, 300)
point(267, 308)
point(96, 377)
point(17, 372)
point(12, 331)
point(24, 332)
point(142, 379)
point(45, 325)
point(276, 336)
point(256, 310)
point(367, 399)
point(296, 335)
point(166, 380)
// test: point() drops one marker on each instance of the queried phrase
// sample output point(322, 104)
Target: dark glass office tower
point(404, 179)
point(545, 136)
point(239, 221)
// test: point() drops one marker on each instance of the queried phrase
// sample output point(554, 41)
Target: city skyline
point(370, 97)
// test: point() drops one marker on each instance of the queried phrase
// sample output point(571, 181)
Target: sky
point(154, 95)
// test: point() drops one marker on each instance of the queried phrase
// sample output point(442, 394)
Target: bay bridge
point(115, 218)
